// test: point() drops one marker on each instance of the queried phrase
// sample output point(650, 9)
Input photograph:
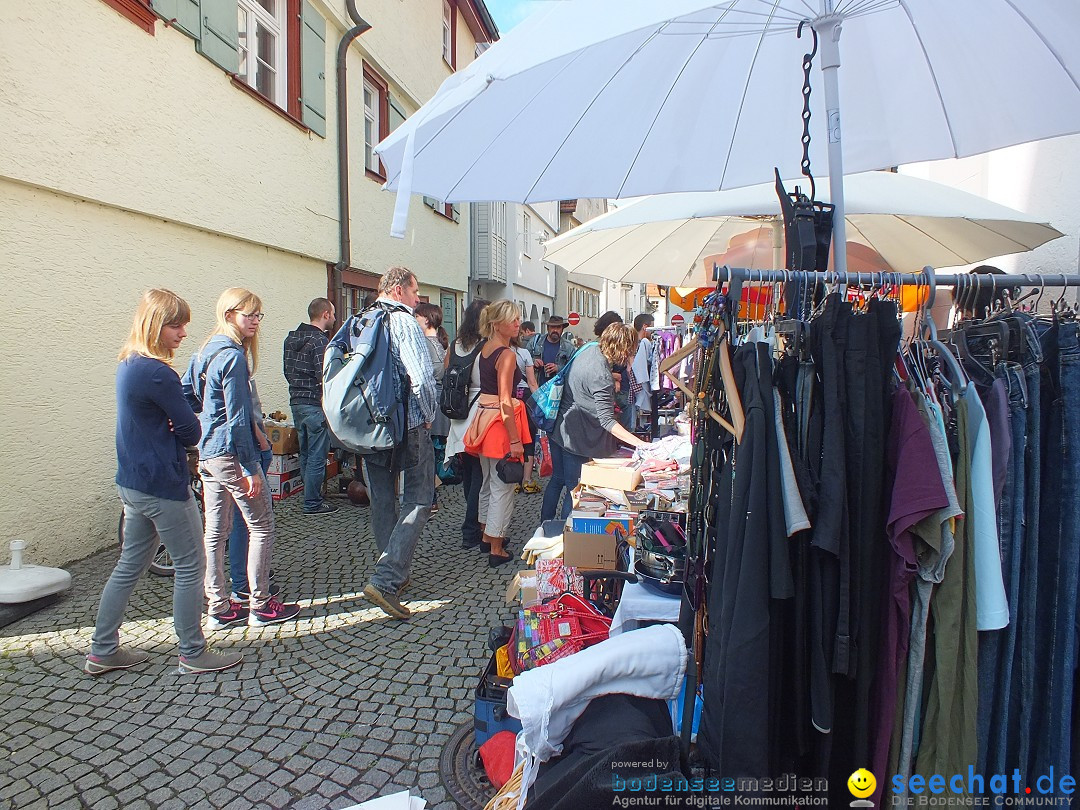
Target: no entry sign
point(677, 319)
point(573, 318)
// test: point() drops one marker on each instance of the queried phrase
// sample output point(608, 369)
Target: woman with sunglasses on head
point(154, 426)
point(217, 383)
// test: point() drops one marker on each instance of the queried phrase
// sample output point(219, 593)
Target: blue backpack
point(365, 387)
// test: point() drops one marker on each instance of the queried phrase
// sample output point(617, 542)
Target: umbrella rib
point(933, 75)
point(742, 101)
point(636, 264)
point(1042, 38)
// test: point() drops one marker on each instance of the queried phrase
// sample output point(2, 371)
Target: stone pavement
point(340, 706)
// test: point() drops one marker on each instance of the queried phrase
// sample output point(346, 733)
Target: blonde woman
point(500, 427)
point(585, 426)
point(154, 425)
point(217, 383)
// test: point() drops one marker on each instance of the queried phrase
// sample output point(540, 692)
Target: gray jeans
point(223, 485)
point(397, 530)
point(149, 521)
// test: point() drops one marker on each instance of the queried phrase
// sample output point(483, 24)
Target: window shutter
point(455, 213)
point(313, 68)
point(181, 14)
point(397, 113)
point(431, 203)
point(218, 34)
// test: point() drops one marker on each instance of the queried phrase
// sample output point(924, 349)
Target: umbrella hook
point(808, 63)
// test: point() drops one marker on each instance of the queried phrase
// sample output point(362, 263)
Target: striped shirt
point(411, 347)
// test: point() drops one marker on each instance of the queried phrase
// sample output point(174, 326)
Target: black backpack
point(455, 401)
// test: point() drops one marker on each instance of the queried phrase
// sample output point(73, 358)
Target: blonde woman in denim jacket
point(217, 383)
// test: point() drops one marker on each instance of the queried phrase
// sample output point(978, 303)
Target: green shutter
point(218, 34)
point(313, 68)
point(431, 203)
point(181, 14)
point(397, 113)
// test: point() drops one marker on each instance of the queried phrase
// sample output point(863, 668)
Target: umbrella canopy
point(621, 98)
point(909, 222)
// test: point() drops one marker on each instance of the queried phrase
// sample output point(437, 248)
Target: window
point(449, 33)
point(261, 48)
point(376, 120)
point(526, 234)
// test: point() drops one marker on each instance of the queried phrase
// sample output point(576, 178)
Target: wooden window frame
point(451, 6)
point(382, 88)
point(292, 111)
point(138, 11)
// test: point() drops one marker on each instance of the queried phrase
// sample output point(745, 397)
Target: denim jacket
point(225, 412)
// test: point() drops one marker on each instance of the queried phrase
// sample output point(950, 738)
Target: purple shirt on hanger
point(917, 493)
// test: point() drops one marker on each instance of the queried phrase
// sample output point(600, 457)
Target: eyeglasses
point(254, 316)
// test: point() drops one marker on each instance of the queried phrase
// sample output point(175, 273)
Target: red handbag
point(550, 632)
point(545, 458)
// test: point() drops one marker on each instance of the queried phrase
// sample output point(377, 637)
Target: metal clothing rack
point(737, 276)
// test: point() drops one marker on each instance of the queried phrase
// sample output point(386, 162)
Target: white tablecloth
point(640, 604)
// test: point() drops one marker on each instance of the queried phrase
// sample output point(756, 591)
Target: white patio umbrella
point(622, 98)
point(909, 222)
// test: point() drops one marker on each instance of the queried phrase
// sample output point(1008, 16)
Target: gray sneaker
point(209, 661)
point(121, 659)
point(389, 603)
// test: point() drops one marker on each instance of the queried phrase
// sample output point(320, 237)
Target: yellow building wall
point(131, 161)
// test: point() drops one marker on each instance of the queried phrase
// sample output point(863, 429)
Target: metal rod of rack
point(926, 278)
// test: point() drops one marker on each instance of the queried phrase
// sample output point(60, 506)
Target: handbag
point(544, 404)
point(546, 467)
point(547, 633)
point(510, 470)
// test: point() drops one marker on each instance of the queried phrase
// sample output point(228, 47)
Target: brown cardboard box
point(602, 475)
point(589, 551)
point(282, 485)
point(283, 439)
point(522, 588)
point(284, 464)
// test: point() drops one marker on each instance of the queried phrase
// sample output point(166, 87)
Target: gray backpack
point(365, 387)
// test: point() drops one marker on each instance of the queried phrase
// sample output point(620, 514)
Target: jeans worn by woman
point(238, 540)
point(565, 472)
point(148, 522)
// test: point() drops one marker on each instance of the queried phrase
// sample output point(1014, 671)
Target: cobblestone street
point(340, 706)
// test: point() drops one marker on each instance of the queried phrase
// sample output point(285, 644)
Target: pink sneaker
point(273, 612)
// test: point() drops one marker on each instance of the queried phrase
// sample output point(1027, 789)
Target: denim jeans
point(398, 529)
point(565, 472)
point(314, 439)
point(238, 540)
point(472, 481)
point(223, 486)
point(999, 710)
point(149, 521)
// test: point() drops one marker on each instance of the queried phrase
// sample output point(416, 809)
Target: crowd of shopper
point(215, 408)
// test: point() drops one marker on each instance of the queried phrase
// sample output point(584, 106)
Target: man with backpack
point(550, 351)
point(303, 362)
point(396, 531)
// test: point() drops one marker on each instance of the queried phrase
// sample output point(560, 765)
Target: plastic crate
point(489, 711)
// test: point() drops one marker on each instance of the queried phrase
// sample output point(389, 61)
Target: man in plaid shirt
point(304, 350)
point(396, 532)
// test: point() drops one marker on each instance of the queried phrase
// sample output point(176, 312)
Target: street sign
point(573, 318)
point(677, 319)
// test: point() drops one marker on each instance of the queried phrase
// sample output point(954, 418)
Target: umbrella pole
point(828, 28)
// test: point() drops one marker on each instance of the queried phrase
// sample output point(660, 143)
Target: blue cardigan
point(150, 454)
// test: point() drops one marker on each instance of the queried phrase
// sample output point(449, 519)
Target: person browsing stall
point(397, 529)
point(551, 351)
point(585, 426)
point(154, 426)
point(499, 428)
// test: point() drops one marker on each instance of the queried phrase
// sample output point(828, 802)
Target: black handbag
point(510, 470)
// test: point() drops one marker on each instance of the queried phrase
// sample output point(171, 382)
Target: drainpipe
point(344, 229)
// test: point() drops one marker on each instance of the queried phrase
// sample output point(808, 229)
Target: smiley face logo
point(862, 783)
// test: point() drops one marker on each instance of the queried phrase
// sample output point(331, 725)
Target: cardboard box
point(601, 524)
point(282, 485)
point(283, 439)
point(332, 467)
point(604, 475)
point(522, 588)
point(589, 551)
point(284, 464)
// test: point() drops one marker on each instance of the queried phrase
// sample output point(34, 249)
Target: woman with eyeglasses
point(154, 426)
point(217, 384)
